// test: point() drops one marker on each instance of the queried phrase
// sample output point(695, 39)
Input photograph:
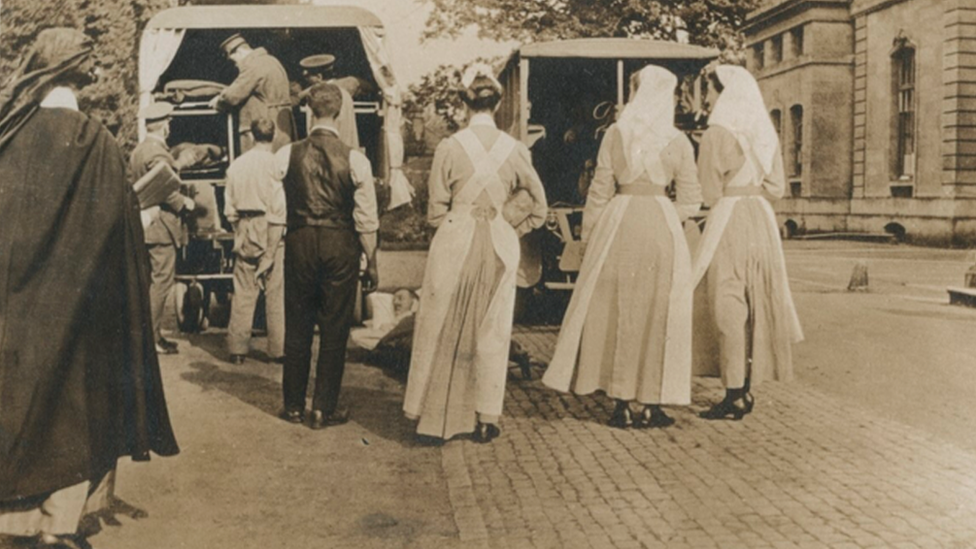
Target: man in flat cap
point(319, 68)
point(260, 91)
point(164, 233)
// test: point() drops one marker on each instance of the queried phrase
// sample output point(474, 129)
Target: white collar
point(159, 138)
point(482, 119)
point(60, 97)
point(324, 127)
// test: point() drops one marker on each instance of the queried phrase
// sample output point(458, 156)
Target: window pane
point(797, 41)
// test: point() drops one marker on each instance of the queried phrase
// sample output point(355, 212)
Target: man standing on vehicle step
point(164, 233)
point(260, 91)
point(319, 68)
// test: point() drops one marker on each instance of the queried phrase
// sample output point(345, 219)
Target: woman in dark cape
point(80, 384)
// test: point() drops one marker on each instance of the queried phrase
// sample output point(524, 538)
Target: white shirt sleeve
point(364, 214)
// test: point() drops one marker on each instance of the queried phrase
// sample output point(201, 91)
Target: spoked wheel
point(190, 310)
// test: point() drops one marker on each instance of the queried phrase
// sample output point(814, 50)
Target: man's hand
point(148, 216)
point(214, 102)
point(371, 278)
point(188, 204)
point(263, 271)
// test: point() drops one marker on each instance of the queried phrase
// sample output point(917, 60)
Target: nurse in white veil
point(627, 331)
point(740, 254)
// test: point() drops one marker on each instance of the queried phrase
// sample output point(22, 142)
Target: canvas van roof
point(618, 48)
point(266, 16)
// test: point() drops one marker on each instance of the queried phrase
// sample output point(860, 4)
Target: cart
point(561, 97)
point(183, 44)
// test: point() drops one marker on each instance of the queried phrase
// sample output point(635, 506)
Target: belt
point(244, 214)
point(749, 190)
point(641, 189)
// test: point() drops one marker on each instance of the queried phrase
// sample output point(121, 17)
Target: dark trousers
point(321, 271)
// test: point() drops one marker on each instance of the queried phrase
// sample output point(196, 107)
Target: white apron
point(676, 375)
point(746, 185)
point(445, 259)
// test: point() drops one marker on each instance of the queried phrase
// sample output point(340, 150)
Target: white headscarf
point(647, 123)
point(479, 70)
point(741, 110)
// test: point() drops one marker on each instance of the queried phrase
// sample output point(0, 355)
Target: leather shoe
point(163, 342)
point(319, 420)
point(237, 360)
point(486, 432)
point(160, 350)
point(292, 416)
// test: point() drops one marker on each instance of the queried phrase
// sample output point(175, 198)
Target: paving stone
point(804, 470)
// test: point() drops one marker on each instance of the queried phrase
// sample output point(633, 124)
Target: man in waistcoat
point(332, 221)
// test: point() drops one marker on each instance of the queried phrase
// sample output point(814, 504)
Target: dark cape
point(80, 384)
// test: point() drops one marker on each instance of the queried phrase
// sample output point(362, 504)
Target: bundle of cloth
point(178, 91)
point(200, 155)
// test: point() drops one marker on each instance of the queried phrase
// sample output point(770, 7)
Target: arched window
point(903, 109)
point(795, 164)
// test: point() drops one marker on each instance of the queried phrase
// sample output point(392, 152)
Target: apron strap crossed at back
point(486, 165)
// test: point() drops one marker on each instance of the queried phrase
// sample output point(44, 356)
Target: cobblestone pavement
point(803, 471)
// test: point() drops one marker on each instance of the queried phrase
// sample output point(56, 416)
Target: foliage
point(438, 92)
point(707, 22)
point(113, 25)
point(713, 23)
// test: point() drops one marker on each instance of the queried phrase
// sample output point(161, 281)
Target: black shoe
point(319, 420)
point(161, 350)
point(653, 417)
point(293, 416)
point(622, 417)
point(486, 432)
point(163, 342)
point(749, 401)
point(727, 409)
point(237, 360)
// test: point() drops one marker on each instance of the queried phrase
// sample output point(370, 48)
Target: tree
point(438, 93)
point(114, 26)
point(708, 22)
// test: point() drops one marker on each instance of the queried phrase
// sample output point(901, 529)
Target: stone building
point(875, 102)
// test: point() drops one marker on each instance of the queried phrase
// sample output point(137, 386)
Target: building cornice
point(864, 7)
point(846, 61)
point(764, 17)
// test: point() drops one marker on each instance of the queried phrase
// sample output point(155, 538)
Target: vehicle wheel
point(218, 310)
point(189, 307)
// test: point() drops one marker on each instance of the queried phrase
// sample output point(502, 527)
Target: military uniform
point(261, 90)
point(164, 234)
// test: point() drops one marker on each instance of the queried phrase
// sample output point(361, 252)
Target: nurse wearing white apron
point(627, 331)
point(460, 352)
point(740, 255)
